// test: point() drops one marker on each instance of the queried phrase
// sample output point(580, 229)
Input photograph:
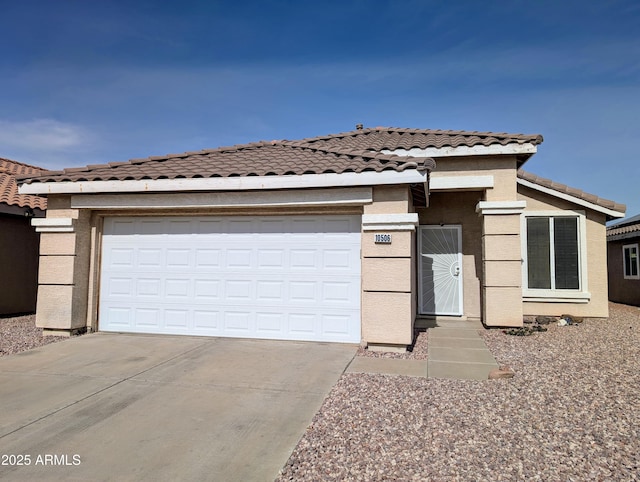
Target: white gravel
point(20, 333)
point(571, 413)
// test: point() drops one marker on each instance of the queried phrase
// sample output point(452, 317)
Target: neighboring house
point(347, 238)
point(623, 252)
point(18, 240)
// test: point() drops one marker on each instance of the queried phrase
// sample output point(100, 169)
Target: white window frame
point(624, 264)
point(581, 295)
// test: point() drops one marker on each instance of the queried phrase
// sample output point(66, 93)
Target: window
point(631, 262)
point(554, 255)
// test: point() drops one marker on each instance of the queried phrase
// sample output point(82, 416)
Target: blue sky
point(86, 82)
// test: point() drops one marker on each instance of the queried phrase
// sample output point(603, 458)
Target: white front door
point(440, 270)
point(278, 277)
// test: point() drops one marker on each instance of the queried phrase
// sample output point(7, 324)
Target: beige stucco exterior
point(459, 209)
point(490, 219)
point(70, 260)
point(488, 236)
point(596, 260)
point(64, 270)
point(388, 272)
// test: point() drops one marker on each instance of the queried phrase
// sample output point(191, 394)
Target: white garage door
point(279, 277)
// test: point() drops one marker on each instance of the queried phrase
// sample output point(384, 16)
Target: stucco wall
point(503, 169)
point(18, 265)
point(621, 290)
point(388, 273)
point(71, 264)
point(492, 287)
point(459, 208)
point(64, 270)
point(596, 248)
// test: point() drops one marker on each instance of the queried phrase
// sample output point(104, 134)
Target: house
point(347, 238)
point(623, 256)
point(18, 241)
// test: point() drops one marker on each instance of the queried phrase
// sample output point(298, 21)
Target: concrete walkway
point(456, 351)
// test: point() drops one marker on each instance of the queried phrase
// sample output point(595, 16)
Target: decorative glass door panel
point(440, 270)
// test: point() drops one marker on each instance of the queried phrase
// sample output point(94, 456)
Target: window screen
point(565, 237)
point(538, 253)
point(553, 253)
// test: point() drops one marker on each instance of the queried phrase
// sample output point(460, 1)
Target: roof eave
point(367, 178)
point(610, 213)
point(522, 151)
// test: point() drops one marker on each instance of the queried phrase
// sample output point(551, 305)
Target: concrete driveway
point(136, 407)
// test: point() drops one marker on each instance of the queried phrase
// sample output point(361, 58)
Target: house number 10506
point(383, 238)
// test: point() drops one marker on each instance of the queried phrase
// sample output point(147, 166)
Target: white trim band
point(469, 183)
point(500, 207)
point(570, 198)
point(369, 178)
point(300, 197)
point(494, 149)
point(390, 222)
point(53, 225)
point(555, 296)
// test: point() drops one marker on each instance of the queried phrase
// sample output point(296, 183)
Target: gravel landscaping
point(571, 413)
point(19, 333)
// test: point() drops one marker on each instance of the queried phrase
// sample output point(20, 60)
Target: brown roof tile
point(257, 159)
point(391, 138)
point(355, 151)
point(563, 188)
point(9, 195)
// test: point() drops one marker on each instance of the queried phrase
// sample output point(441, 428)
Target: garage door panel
point(269, 324)
point(118, 317)
point(335, 325)
point(121, 287)
point(237, 322)
point(337, 292)
point(270, 291)
point(337, 259)
point(149, 258)
point(206, 321)
point(149, 289)
point(177, 289)
point(147, 317)
point(278, 277)
point(176, 319)
point(120, 258)
point(303, 324)
point(207, 258)
point(207, 290)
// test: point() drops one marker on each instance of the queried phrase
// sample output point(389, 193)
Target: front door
point(440, 270)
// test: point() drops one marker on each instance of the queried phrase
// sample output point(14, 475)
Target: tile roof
point(563, 188)
point(354, 151)
point(379, 138)
point(9, 195)
point(625, 227)
point(276, 158)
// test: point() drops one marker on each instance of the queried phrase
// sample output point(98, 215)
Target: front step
point(457, 351)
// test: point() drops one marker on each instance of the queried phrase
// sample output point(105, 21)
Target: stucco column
point(64, 270)
point(388, 280)
point(502, 262)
